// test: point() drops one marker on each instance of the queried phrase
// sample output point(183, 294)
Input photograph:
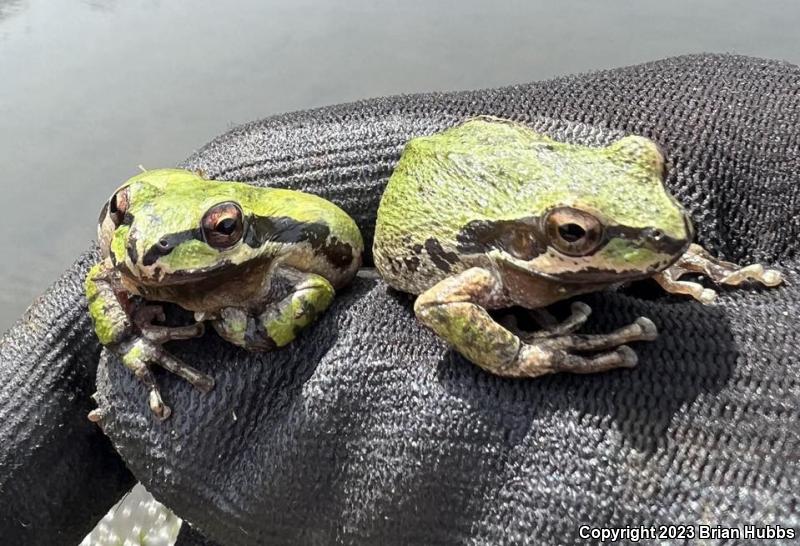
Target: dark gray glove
point(368, 429)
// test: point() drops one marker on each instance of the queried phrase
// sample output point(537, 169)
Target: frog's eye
point(573, 232)
point(223, 225)
point(118, 206)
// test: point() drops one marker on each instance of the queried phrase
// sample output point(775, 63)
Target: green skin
point(490, 214)
point(258, 287)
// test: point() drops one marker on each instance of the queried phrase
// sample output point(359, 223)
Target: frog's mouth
point(204, 278)
point(554, 266)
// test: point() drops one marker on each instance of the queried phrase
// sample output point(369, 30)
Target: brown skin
point(457, 307)
point(698, 260)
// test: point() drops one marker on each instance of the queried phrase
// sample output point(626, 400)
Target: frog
point(258, 264)
point(490, 215)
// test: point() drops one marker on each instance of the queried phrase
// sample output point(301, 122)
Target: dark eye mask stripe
point(171, 241)
point(260, 230)
point(439, 256)
point(521, 237)
point(524, 239)
point(282, 229)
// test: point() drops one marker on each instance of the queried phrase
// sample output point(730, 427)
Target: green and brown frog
point(259, 264)
point(491, 214)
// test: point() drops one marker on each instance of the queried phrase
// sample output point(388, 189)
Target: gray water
point(91, 89)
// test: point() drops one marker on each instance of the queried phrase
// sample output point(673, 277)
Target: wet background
point(89, 89)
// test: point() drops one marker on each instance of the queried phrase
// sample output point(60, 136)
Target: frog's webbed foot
point(140, 353)
point(456, 307)
point(697, 260)
point(560, 351)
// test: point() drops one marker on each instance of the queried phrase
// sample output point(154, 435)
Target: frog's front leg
point(456, 309)
point(296, 298)
point(698, 260)
point(134, 339)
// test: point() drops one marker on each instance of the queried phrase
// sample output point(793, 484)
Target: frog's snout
point(671, 244)
point(162, 247)
point(143, 256)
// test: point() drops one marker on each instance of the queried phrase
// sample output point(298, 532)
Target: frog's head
point(154, 236)
point(610, 220)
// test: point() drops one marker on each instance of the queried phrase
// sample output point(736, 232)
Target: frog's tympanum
point(258, 263)
point(491, 214)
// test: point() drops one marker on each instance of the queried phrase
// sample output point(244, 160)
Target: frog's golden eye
point(223, 225)
point(572, 231)
point(118, 206)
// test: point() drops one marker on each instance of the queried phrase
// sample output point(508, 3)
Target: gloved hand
point(368, 429)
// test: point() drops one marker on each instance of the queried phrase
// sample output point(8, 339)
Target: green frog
point(259, 264)
point(491, 214)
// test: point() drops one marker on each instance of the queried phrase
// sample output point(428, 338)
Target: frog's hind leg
point(298, 299)
point(698, 260)
point(456, 309)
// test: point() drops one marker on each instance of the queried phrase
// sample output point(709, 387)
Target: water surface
point(91, 89)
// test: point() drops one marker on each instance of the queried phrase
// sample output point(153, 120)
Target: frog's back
point(483, 171)
point(321, 237)
point(304, 230)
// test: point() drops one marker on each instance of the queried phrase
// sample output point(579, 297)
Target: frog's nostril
point(654, 235)
point(162, 247)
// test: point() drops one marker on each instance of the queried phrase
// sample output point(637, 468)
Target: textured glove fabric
point(369, 429)
point(58, 473)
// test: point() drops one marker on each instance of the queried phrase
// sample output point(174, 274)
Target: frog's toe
point(204, 383)
point(198, 379)
point(771, 277)
point(578, 308)
point(579, 314)
point(627, 356)
point(621, 357)
point(706, 296)
point(642, 329)
point(96, 415)
point(648, 329)
point(157, 406)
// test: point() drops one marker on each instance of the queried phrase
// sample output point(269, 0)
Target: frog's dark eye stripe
point(117, 206)
point(519, 237)
point(282, 229)
point(223, 225)
point(572, 231)
point(168, 243)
